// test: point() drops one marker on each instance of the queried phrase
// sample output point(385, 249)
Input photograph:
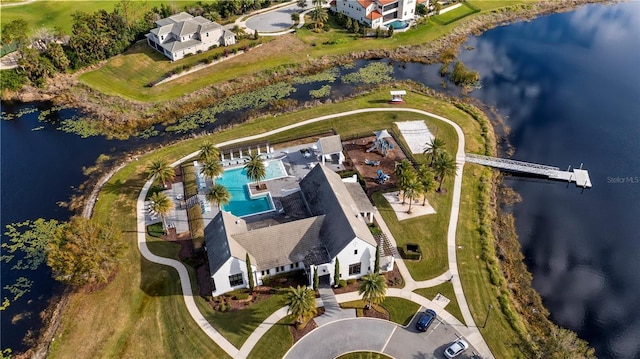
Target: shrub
point(351, 281)
point(212, 47)
point(241, 296)
point(266, 280)
point(342, 283)
point(412, 251)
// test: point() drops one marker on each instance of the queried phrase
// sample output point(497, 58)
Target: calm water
point(569, 88)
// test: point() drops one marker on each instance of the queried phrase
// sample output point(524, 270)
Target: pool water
point(241, 204)
point(398, 25)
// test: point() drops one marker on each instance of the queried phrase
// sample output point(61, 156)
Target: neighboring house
point(374, 13)
point(337, 228)
point(182, 34)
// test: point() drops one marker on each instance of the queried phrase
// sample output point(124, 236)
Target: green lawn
point(150, 319)
point(57, 14)
point(454, 14)
point(275, 342)
point(400, 310)
point(445, 289)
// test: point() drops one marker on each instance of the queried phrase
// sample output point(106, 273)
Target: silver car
point(456, 348)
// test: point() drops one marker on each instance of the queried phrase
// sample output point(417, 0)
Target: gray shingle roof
point(221, 245)
point(282, 244)
point(329, 145)
point(325, 193)
point(359, 197)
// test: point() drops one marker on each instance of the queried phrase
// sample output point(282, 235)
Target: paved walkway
point(470, 332)
point(332, 310)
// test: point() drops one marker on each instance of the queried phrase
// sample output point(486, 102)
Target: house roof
point(365, 3)
point(374, 15)
point(386, 2)
point(325, 193)
point(329, 145)
point(221, 245)
point(359, 197)
point(292, 242)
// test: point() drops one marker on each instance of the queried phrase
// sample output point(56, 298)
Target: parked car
point(425, 320)
point(456, 348)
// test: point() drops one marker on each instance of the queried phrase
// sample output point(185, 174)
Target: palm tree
point(208, 151)
point(211, 168)
point(444, 165)
point(317, 3)
point(302, 303)
point(162, 170)
point(373, 289)
point(401, 171)
point(255, 168)
point(434, 148)
point(162, 205)
point(219, 195)
point(319, 16)
point(426, 176)
point(412, 189)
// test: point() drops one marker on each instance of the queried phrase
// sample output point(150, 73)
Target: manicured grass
point(454, 14)
point(141, 313)
point(445, 289)
point(364, 355)
point(400, 310)
point(57, 14)
point(275, 342)
point(155, 230)
point(236, 326)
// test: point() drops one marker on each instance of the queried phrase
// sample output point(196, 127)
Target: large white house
point(182, 34)
point(336, 229)
point(376, 13)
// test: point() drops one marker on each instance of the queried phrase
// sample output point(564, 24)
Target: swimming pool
point(241, 204)
point(398, 25)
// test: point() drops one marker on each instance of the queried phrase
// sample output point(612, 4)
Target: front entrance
point(325, 280)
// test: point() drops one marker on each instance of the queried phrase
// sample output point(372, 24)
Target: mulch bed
point(373, 313)
point(297, 334)
point(393, 278)
point(357, 153)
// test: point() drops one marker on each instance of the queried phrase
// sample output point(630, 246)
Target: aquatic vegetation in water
point(374, 73)
point(321, 92)
point(329, 75)
point(149, 132)
point(82, 126)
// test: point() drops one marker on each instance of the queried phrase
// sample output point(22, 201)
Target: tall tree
point(319, 16)
point(427, 178)
point(412, 189)
point(219, 195)
point(302, 303)
point(336, 272)
point(162, 205)
point(162, 170)
point(208, 151)
point(85, 252)
point(373, 289)
point(434, 148)
point(402, 174)
point(444, 166)
point(252, 283)
point(316, 279)
point(15, 32)
point(211, 168)
point(376, 265)
point(255, 168)
point(57, 56)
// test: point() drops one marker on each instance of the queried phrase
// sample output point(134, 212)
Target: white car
point(456, 348)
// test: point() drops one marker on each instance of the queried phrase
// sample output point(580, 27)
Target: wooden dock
point(579, 176)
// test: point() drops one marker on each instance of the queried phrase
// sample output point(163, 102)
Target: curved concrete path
point(451, 246)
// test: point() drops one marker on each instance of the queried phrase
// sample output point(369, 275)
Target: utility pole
point(487, 317)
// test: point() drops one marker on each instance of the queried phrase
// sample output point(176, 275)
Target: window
point(236, 280)
point(277, 269)
point(262, 273)
point(282, 268)
point(355, 251)
point(355, 268)
point(213, 284)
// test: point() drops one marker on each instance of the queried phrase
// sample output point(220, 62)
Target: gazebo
point(397, 96)
point(329, 146)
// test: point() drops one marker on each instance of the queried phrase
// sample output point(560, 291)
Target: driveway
point(376, 335)
point(274, 21)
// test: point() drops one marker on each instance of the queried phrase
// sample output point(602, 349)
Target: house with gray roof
point(335, 230)
point(182, 34)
